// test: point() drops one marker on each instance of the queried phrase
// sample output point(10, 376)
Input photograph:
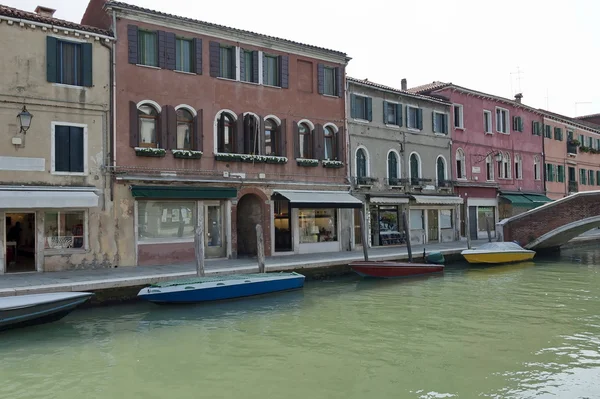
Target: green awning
point(174, 192)
point(538, 198)
point(517, 199)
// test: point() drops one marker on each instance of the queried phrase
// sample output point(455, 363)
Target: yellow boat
point(498, 252)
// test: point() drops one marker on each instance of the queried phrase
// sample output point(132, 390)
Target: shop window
point(483, 213)
point(416, 219)
point(357, 231)
point(166, 220)
point(317, 225)
point(446, 219)
point(64, 230)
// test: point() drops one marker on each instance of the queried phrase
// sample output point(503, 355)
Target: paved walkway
point(90, 280)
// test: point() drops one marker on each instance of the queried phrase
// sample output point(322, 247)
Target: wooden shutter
point(296, 139)
point(51, 59)
point(369, 105)
point(242, 65)
point(446, 128)
point(340, 144)
point(198, 136)
point(284, 62)
point(321, 78)
point(215, 58)
point(399, 114)
point(434, 124)
point(261, 137)
point(171, 143)
point(533, 128)
point(75, 149)
point(220, 133)
point(170, 50)
point(162, 128)
point(339, 81)
point(132, 44)
point(239, 134)
point(282, 136)
point(353, 105)
point(248, 134)
point(197, 43)
point(318, 142)
point(255, 66)
point(134, 127)
point(420, 118)
point(385, 112)
point(162, 56)
point(264, 60)
point(86, 67)
point(61, 148)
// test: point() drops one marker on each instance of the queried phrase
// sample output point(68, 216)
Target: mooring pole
point(468, 228)
point(407, 232)
point(363, 231)
point(199, 245)
point(260, 249)
point(488, 228)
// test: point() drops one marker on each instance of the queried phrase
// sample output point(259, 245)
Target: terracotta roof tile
point(588, 116)
point(435, 85)
point(31, 16)
point(399, 91)
point(119, 4)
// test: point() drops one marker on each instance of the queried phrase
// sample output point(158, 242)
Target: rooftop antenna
point(518, 73)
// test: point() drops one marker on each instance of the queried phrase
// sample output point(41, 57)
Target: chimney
point(518, 97)
point(45, 11)
point(403, 84)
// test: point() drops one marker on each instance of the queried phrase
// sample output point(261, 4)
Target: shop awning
point(538, 198)
point(47, 199)
point(320, 199)
point(437, 200)
point(389, 200)
point(517, 199)
point(174, 192)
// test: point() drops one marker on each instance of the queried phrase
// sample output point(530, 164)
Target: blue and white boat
point(203, 289)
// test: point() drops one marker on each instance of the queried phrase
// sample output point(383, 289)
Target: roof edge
point(377, 86)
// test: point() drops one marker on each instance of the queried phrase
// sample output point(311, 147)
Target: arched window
point(304, 141)
point(328, 138)
point(392, 164)
point(271, 138)
point(415, 166)
point(536, 168)
point(361, 163)
point(185, 121)
point(460, 164)
point(489, 168)
point(518, 167)
point(504, 167)
point(225, 128)
point(441, 170)
point(252, 144)
point(148, 121)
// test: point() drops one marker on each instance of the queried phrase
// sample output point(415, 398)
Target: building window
point(501, 120)
point(147, 48)
point(65, 230)
point(487, 121)
point(329, 81)
point(271, 137)
point(548, 131)
point(489, 168)
point(361, 163)
point(518, 167)
point(317, 225)
point(252, 144)
point(227, 62)
point(440, 123)
point(458, 116)
point(148, 118)
point(415, 168)
point(329, 141)
point(225, 127)
point(183, 55)
point(517, 124)
point(558, 134)
point(304, 138)
point(361, 108)
point(536, 128)
point(561, 173)
point(446, 219)
point(415, 117)
point(185, 121)
point(417, 221)
point(598, 177)
point(391, 111)
point(69, 149)
point(271, 70)
point(460, 164)
point(441, 170)
point(536, 168)
point(69, 64)
point(582, 176)
point(392, 164)
point(166, 221)
point(550, 172)
point(249, 74)
point(504, 166)
point(591, 177)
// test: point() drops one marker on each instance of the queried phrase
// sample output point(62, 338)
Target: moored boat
point(390, 269)
point(498, 252)
point(204, 289)
point(26, 310)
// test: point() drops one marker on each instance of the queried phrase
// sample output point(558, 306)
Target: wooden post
point(260, 249)
point(487, 227)
point(468, 228)
point(363, 231)
point(199, 244)
point(407, 232)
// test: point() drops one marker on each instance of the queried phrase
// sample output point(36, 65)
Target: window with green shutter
point(561, 173)
point(271, 70)
point(581, 140)
point(68, 62)
point(548, 131)
point(361, 107)
point(414, 117)
point(598, 177)
point(582, 176)
point(391, 113)
point(183, 55)
point(329, 83)
point(591, 177)
point(69, 149)
point(147, 48)
point(227, 62)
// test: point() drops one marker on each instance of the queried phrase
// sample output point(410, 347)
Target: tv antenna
point(518, 73)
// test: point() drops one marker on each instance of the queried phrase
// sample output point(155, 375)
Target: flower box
point(150, 152)
point(250, 158)
point(332, 164)
point(187, 154)
point(307, 162)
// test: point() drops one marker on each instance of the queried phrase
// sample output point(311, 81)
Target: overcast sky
point(473, 43)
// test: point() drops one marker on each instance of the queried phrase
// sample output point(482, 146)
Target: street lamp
point(24, 118)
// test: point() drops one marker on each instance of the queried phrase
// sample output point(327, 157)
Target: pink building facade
point(497, 148)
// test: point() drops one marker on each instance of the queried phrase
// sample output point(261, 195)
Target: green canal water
point(520, 331)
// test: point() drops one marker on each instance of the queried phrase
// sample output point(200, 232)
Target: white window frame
point(385, 102)
point(216, 127)
point(491, 120)
point(420, 174)
point(53, 171)
point(361, 120)
point(463, 171)
point(447, 127)
point(445, 169)
point(507, 124)
point(490, 160)
point(368, 160)
point(86, 231)
point(414, 129)
point(537, 173)
point(461, 125)
point(398, 166)
point(519, 163)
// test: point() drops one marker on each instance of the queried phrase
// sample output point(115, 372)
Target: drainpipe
point(110, 147)
point(347, 138)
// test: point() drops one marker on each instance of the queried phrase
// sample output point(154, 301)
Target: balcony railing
point(445, 183)
point(419, 181)
point(394, 181)
point(572, 147)
point(573, 187)
point(363, 181)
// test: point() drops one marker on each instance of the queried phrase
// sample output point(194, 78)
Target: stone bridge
point(553, 224)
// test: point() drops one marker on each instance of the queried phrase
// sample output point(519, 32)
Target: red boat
point(390, 269)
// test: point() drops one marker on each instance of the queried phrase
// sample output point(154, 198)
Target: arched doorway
point(249, 214)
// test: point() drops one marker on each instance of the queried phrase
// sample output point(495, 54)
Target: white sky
point(478, 44)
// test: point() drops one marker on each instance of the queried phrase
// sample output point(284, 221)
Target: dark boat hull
point(393, 269)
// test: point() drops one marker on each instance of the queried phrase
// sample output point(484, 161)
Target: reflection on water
point(513, 331)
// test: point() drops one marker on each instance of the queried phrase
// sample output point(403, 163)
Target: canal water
point(516, 331)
